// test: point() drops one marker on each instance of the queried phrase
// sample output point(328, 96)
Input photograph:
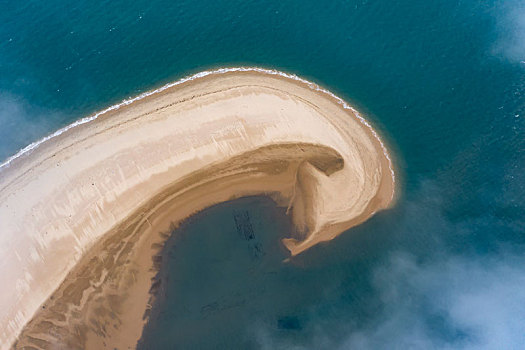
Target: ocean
point(443, 82)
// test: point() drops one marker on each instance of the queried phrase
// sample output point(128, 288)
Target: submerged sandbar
point(83, 214)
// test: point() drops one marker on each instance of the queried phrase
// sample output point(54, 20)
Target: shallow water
point(443, 81)
point(215, 284)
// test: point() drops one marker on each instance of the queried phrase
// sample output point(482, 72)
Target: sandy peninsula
point(85, 212)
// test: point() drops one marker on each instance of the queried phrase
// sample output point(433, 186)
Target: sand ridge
point(87, 210)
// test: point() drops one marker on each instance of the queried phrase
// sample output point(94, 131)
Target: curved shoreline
point(202, 140)
point(34, 145)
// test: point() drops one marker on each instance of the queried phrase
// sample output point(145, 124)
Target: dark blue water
point(444, 81)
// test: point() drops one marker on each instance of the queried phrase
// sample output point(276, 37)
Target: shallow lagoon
point(226, 281)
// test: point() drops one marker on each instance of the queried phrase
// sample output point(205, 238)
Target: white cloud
point(511, 32)
point(452, 303)
point(20, 124)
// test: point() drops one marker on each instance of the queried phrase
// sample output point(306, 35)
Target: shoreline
point(34, 145)
point(300, 166)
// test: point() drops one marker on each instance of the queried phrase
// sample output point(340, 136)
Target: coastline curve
point(90, 202)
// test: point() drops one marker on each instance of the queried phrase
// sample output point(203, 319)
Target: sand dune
point(83, 213)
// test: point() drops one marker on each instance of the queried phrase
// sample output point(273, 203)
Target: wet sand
point(87, 210)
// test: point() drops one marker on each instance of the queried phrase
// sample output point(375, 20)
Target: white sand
point(306, 150)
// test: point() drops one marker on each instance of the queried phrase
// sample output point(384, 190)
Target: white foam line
point(93, 117)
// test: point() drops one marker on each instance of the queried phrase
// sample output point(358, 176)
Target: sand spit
point(85, 212)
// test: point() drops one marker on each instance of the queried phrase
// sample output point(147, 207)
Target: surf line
point(203, 74)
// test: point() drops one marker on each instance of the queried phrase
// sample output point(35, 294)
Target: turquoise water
point(442, 80)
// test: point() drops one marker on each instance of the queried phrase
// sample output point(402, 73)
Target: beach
point(88, 210)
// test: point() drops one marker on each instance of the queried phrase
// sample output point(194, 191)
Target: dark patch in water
point(289, 323)
point(245, 229)
point(219, 274)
